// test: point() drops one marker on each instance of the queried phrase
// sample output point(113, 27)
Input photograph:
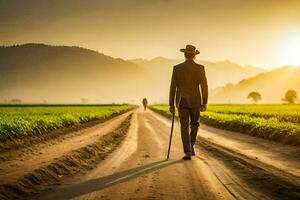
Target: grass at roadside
point(283, 113)
point(273, 122)
point(20, 121)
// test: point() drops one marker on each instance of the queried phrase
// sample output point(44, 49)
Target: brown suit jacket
point(188, 83)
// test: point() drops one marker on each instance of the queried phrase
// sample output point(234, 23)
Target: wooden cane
point(172, 126)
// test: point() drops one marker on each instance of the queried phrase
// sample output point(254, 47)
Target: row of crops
point(274, 122)
point(19, 121)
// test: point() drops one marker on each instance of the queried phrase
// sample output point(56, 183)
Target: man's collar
point(189, 60)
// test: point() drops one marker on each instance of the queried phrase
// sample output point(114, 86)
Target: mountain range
point(219, 73)
point(271, 85)
point(36, 72)
point(64, 74)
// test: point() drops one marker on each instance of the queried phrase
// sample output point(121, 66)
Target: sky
point(264, 33)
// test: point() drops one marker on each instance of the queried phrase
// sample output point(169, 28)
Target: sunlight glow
point(290, 51)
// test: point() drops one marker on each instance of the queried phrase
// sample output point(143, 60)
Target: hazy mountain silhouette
point(34, 72)
point(37, 72)
point(218, 73)
point(271, 85)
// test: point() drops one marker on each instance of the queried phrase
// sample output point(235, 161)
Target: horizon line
point(266, 67)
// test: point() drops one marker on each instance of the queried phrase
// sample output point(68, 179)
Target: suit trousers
point(188, 116)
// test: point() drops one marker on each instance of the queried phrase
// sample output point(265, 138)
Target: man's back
point(186, 78)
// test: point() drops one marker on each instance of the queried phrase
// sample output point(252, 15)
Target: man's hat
point(190, 49)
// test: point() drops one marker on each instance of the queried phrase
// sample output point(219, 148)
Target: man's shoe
point(187, 156)
point(193, 151)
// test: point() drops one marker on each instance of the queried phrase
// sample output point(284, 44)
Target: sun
point(290, 51)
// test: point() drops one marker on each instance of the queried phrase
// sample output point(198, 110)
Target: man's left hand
point(203, 108)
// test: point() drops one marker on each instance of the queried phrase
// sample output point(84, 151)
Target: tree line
point(289, 97)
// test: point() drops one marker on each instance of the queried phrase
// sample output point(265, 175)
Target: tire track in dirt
point(270, 181)
point(76, 161)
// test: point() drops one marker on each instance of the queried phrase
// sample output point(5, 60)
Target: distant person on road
point(145, 103)
point(189, 85)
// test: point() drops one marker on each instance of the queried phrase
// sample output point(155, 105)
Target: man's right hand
point(172, 109)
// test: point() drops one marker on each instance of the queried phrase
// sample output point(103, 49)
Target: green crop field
point(274, 122)
point(19, 121)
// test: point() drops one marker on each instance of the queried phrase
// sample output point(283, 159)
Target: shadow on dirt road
point(113, 179)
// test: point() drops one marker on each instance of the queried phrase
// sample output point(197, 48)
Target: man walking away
point(189, 85)
point(145, 103)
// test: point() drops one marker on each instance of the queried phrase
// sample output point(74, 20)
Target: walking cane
point(172, 126)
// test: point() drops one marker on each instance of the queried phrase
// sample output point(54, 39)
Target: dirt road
point(138, 168)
